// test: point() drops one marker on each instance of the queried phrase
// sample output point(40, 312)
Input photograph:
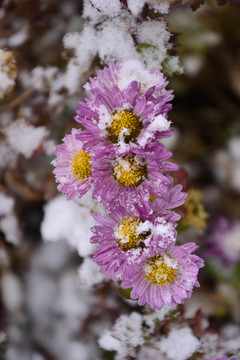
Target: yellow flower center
point(126, 123)
point(127, 235)
point(130, 170)
point(153, 197)
point(8, 63)
point(158, 272)
point(196, 215)
point(80, 165)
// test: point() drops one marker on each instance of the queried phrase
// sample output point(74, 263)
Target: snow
point(156, 315)
point(42, 77)
point(89, 273)
point(108, 342)
point(126, 335)
point(58, 306)
point(171, 263)
point(9, 226)
point(66, 220)
point(172, 65)
point(25, 138)
point(90, 12)
point(164, 230)
point(69, 80)
point(161, 8)
point(84, 43)
point(129, 332)
point(135, 70)
point(19, 37)
point(192, 64)
point(111, 8)
point(12, 291)
point(153, 32)
point(6, 204)
point(114, 36)
point(8, 157)
point(50, 257)
point(160, 123)
point(136, 6)
point(105, 118)
point(231, 243)
point(6, 84)
point(231, 339)
point(128, 329)
point(180, 344)
point(171, 142)
point(49, 147)
point(114, 39)
point(88, 202)
point(226, 164)
point(144, 226)
point(69, 295)
point(234, 147)
point(8, 220)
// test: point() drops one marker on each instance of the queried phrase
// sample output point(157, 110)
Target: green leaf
point(109, 355)
point(125, 292)
point(182, 227)
point(144, 46)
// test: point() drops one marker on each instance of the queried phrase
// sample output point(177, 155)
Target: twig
point(18, 100)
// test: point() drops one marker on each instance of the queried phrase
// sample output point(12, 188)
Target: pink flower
point(127, 237)
point(223, 240)
point(122, 73)
point(132, 178)
point(223, 357)
point(166, 277)
point(73, 169)
point(171, 199)
point(123, 120)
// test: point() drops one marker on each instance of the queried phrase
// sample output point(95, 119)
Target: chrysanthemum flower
point(132, 178)
point(224, 240)
point(122, 73)
point(223, 357)
point(164, 203)
point(126, 237)
point(123, 120)
point(166, 277)
point(73, 169)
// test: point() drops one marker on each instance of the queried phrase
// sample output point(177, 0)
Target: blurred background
point(54, 302)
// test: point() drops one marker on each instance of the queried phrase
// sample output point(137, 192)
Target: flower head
point(172, 198)
point(73, 169)
point(132, 178)
point(223, 357)
point(123, 120)
point(224, 240)
point(165, 277)
point(122, 73)
point(126, 237)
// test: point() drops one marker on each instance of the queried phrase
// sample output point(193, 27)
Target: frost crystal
point(24, 138)
point(180, 344)
point(68, 221)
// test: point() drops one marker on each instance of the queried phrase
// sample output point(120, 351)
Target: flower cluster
point(119, 157)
